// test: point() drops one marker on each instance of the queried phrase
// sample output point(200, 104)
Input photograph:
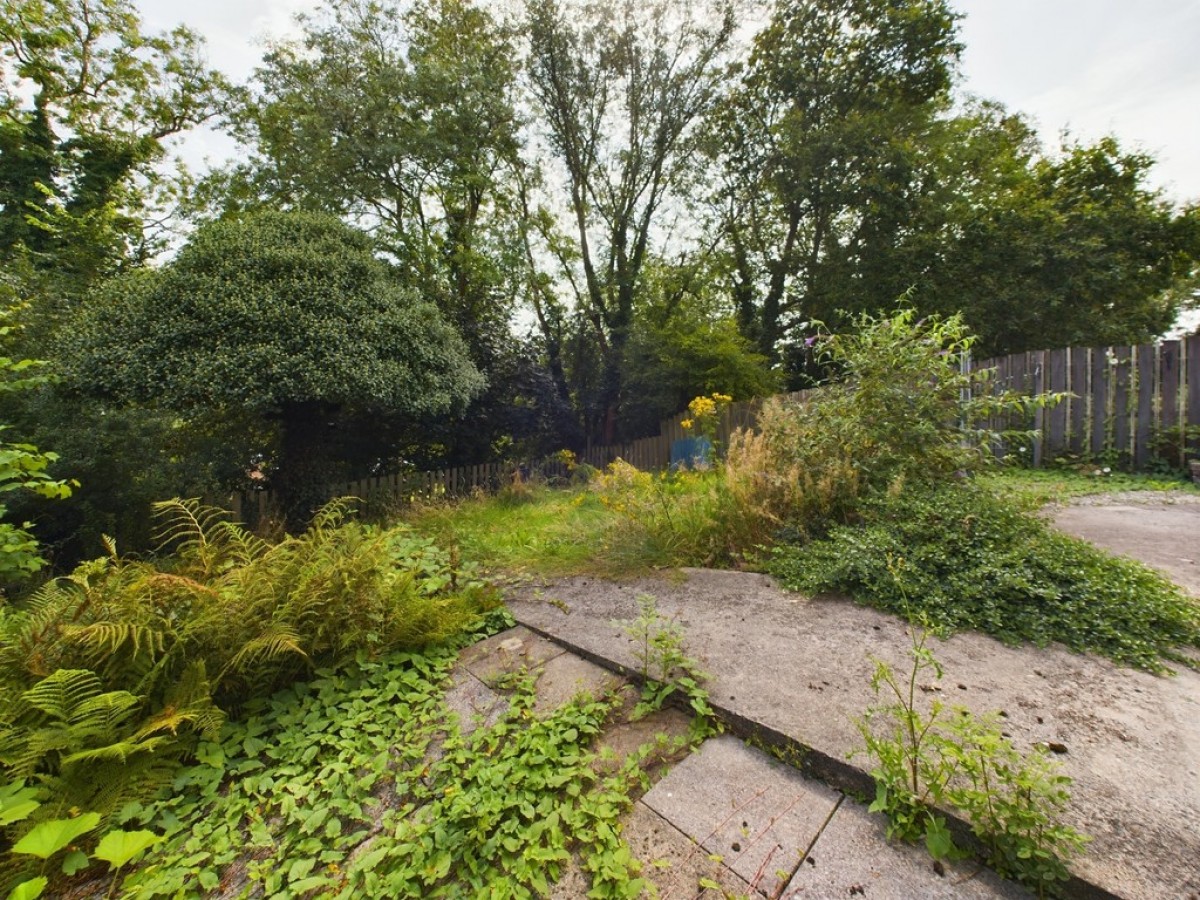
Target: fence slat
point(1056, 438)
point(1079, 398)
point(1145, 405)
point(1192, 350)
point(1122, 380)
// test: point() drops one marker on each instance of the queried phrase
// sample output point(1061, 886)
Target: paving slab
point(565, 676)
point(758, 815)
point(853, 858)
point(510, 651)
point(801, 667)
point(674, 862)
point(473, 702)
point(1164, 534)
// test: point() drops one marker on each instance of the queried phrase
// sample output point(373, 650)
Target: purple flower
point(808, 342)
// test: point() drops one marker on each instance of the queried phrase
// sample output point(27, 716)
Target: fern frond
point(118, 752)
point(270, 646)
point(59, 694)
point(103, 639)
point(192, 530)
point(332, 514)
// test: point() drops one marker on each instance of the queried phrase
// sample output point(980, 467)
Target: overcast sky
point(1092, 67)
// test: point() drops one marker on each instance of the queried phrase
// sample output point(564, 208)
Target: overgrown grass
point(959, 557)
point(547, 532)
point(1040, 487)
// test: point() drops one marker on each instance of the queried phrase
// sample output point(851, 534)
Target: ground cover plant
point(362, 783)
point(973, 560)
point(112, 677)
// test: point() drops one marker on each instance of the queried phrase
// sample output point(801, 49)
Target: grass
point(1039, 487)
point(553, 533)
point(563, 532)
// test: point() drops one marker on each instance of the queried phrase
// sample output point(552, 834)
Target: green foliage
point(89, 102)
point(113, 675)
point(22, 468)
point(665, 667)
point(949, 757)
point(264, 317)
point(976, 561)
point(316, 791)
point(818, 143)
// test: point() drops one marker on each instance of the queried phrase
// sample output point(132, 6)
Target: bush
point(901, 410)
point(957, 557)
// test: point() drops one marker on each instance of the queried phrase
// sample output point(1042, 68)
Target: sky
point(1090, 67)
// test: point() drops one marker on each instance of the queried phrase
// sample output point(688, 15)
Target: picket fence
point(1130, 404)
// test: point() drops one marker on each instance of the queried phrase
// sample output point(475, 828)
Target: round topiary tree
point(284, 315)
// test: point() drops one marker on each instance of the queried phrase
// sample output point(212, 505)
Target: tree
point(402, 122)
point(816, 142)
point(1074, 251)
point(287, 317)
point(22, 468)
point(86, 105)
point(620, 89)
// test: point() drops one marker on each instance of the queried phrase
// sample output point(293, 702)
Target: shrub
point(972, 560)
point(901, 410)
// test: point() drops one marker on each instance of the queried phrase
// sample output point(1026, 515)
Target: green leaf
point(18, 812)
point(119, 847)
point(47, 838)
point(75, 861)
point(28, 890)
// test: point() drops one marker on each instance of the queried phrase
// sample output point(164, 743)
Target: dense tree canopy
point(286, 316)
point(86, 103)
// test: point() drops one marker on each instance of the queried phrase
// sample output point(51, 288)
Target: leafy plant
point(665, 667)
point(902, 409)
point(976, 561)
point(948, 757)
point(317, 790)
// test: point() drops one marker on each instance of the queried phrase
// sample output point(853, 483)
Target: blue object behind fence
point(687, 453)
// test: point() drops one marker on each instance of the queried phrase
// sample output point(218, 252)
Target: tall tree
point(619, 89)
point(285, 317)
point(86, 104)
point(402, 121)
point(816, 141)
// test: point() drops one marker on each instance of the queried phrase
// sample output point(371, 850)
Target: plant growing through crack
point(664, 666)
point(949, 757)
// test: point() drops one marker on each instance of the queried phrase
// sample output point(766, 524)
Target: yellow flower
point(687, 424)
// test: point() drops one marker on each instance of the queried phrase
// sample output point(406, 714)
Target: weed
point(950, 757)
point(664, 667)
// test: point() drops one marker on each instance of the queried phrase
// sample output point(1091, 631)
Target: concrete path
point(726, 815)
point(1162, 533)
point(798, 670)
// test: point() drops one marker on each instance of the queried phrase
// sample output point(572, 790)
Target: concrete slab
point(1161, 534)
point(567, 675)
point(473, 702)
point(674, 862)
point(738, 803)
point(853, 858)
point(803, 667)
point(507, 652)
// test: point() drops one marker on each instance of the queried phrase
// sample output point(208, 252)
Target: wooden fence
point(1130, 403)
